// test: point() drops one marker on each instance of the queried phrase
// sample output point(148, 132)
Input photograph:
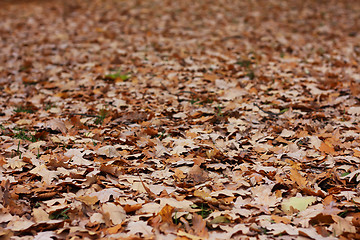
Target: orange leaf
point(179, 174)
point(166, 213)
point(114, 229)
point(356, 153)
point(88, 200)
point(256, 177)
point(279, 219)
point(296, 177)
point(356, 220)
point(132, 208)
point(325, 147)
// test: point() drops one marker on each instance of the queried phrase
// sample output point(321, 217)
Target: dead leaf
point(88, 200)
point(205, 196)
point(298, 203)
point(222, 107)
point(139, 227)
point(57, 125)
point(199, 226)
point(116, 213)
point(189, 236)
point(20, 225)
point(108, 151)
point(40, 215)
point(46, 174)
point(342, 225)
point(279, 219)
point(197, 175)
point(115, 229)
point(105, 194)
point(327, 148)
point(298, 178)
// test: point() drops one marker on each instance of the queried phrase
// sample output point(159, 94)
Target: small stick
point(231, 37)
point(268, 112)
point(152, 196)
point(83, 114)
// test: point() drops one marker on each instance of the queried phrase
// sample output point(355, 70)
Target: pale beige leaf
point(57, 125)
point(45, 235)
point(116, 212)
point(20, 224)
point(97, 218)
point(46, 174)
point(40, 215)
point(109, 151)
point(287, 133)
point(139, 227)
point(105, 194)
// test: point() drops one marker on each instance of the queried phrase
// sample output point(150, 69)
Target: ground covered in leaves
point(180, 119)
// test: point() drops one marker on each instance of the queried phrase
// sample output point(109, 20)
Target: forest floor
point(180, 119)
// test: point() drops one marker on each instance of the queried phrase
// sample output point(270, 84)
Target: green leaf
point(298, 203)
point(220, 219)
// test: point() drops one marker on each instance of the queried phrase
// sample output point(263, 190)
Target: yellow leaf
point(298, 203)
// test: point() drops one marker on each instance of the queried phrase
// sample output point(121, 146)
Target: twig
point(268, 112)
point(231, 37)
point(152, 196)
point(83, 114)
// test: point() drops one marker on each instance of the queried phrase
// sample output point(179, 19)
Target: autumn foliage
point(175, 119)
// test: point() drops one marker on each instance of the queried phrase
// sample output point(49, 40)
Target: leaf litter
point(179, 120)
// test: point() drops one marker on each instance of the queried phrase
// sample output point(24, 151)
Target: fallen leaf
point(199, 226)
point(297, 203)
point(88, 200)
point(298, 178)
point(108, 151)
point(279, 219)
point(327, 148)
point(189, 236)
point(342, 225)
point(40, 215)
point(116, 213)
point(139, 227)
point(197, 175)
point(20, 225)
point(46, 174)
point(57, 125)
point(105, 194)
point(287, 133)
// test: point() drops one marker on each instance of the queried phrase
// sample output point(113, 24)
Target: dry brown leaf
point(40, 215)
point(189, 236)
point(115, 229)
point(243, 118)
point(197, 175)
point(327, 148)
point(179, 175)
point(46, 174)
point(199, 226)
point(205, 196)
point(57, 125)
point(342, 225)
point(88, 200)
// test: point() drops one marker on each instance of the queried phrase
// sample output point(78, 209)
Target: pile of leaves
point(179, 119)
